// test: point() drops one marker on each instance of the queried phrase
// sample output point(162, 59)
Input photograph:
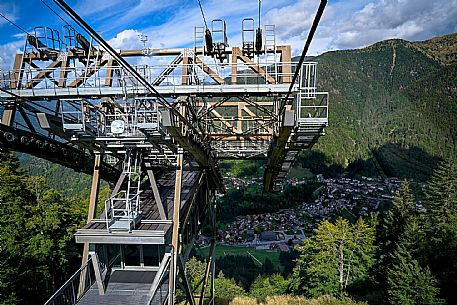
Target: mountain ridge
point(390, 94)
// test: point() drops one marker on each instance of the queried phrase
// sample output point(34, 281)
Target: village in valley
point(345, 197)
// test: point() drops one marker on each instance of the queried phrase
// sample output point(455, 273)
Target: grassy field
point(259, 256)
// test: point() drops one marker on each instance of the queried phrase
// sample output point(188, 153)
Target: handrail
point(74, 296)
point(321, 104)
point(77, 78)
point(159, 276)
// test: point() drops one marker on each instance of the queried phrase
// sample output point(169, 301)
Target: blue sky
point(169, 23)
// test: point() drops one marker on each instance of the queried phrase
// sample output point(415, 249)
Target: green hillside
point(442, 48)
point(66, 180)
point(395, 100)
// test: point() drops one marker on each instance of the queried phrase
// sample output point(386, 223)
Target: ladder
point(271, 67)
point(199, 40)
point(124, 211)
point(248, 37)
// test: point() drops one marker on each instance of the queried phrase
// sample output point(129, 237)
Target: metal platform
point(124, 287)
point(151, 229)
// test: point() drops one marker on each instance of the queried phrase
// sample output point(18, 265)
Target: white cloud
point(412, 20)
point(178, 29)
point(120, 14)
point(7, 54)
point(96, 7)
point(9, 11)
point(345, 24)
point(127, 39)
point(292, 20)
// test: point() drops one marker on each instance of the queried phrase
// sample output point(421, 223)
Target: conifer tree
point(442, 202)
point(226, 289)
point(397, 218)
point(392, 226)
point(408, 283)
point(268, 286)
point(36, 236)
point(440, 224)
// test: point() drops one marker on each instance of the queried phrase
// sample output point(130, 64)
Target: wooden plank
point(286, 67)
point(235, 52)
point(43, 74)
point(209, 71)
point(185, 71)
point(109, 73)
point(18, 72)
point(256, 68)
point(156, 192)
point(90, 71)
point(63, 73)
point(175, 231)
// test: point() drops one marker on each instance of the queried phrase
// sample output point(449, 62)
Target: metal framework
point(156, 133)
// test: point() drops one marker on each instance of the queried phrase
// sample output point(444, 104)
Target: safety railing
point(122, 206)
point(201, 74)
point(159, 289)
point(139, 116)
point(308, 80)
point(237, 125)
point(312, 110)
point(135, 118)
point(79, 115)
point(75, 287)
point(240, 148)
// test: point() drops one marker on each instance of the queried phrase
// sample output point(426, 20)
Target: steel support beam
point(52, 150)
point(207, 271)
point(98, 273)
point(204, 158)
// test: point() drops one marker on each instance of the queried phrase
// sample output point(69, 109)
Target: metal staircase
point(306, 123)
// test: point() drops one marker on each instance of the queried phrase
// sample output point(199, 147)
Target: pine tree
point(268, 267)
point(441, 201)
point(408, 283)
point(392, 227)
point(195, 271)
point(440, 224)
point(397, 217)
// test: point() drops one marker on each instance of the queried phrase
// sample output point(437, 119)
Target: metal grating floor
point(124, 288)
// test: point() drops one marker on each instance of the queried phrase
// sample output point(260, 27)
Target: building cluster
point(352, 196)
point(338, 196)
point(237, 183)
point(260, 228)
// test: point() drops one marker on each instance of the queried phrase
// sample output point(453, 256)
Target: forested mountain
point(69, 182)
point(396, 100)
